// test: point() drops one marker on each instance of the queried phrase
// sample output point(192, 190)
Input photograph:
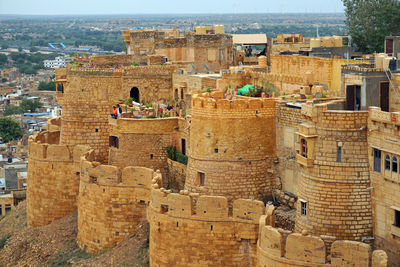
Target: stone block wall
point(90, 93)
point(314, 70)
point(105, 60)
point(154, 82)
point(383, 136)
point(191, 230)
point(233, 146)
point(279, 248)
point(143, 142)
point(176, 174)
point(53, 184)
point(112, 202)
point(86, 106)
point(288, 120)
point(335, 191)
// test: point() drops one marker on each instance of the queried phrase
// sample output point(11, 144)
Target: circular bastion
point(334, 186)
point(112, 202)
point(53, 173)
point(232, 146)
point(191, 230)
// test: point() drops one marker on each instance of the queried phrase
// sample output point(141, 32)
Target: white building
point(58, 62)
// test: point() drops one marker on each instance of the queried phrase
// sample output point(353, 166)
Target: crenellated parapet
point(53, 173)
point(208, 105)
point(148, 71)
point(205, 208)
point(282, 248)
point(112, 202)
point(331, 115)
point(187, 229)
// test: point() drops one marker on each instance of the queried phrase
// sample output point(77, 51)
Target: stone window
point(303, 208)
point(201, 178)
point(176, 94)
point(387, 163)
point(182, 95)
point(339, 154)
point(377, 160)
point(60, 88)
point(397, 218)
point(394, 164)
point(222, 54)
point(303, 148)
point(113, 141)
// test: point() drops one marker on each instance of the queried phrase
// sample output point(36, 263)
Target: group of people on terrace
point(117, 111)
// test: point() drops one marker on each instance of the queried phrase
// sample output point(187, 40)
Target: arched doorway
point(135, 94)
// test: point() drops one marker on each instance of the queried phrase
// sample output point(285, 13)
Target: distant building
point(58, 62)
point(11, 176)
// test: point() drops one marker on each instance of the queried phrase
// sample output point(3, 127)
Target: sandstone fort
point(302, 169)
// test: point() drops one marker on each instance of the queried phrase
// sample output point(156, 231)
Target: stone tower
point(334, 195)
point(232, 147)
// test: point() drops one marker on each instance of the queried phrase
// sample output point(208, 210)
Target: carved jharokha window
point(303, 148)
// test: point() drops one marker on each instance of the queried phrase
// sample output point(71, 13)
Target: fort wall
point(232, 147)
point(280, 248)
point(383, 138)
point(316, 70)
point(191, 230)
point(144, 142)
point(334, 196)
point(112, 202)
point(104, 60)
point(53, 173)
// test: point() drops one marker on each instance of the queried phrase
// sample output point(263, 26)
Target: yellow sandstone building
point(209, 168)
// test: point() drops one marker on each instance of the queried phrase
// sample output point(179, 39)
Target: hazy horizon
point(171, 7)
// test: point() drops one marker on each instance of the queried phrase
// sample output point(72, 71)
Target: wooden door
point(350, 97)
point(384, 96)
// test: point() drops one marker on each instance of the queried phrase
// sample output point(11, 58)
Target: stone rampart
point(112, 202)
point(53, 173)
point(280, 248)
point(104, 60)
point(191, 230)
point(231, 141)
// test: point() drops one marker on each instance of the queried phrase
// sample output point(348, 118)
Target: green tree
point(28, 105)
point(3, 59)
point(9, 129)
point(33, 49)
point(370, 21)
point(47, 86)
point(11, 110)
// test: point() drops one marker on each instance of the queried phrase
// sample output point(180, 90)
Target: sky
point(80, 7)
